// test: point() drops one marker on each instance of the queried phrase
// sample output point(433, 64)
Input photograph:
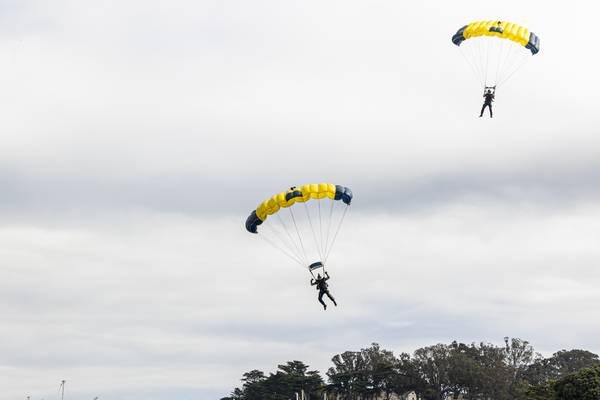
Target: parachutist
point(488, 95)
point(322, 287)
point(495, 51)
point(336, 198)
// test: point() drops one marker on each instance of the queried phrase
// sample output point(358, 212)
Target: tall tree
point(253, 388)
point(346, 377)
point(583, 385)
point(365, 374)
point(296, 377)
point(519, 356)
point(407, 377)
point(434, 366)
point(380, 371)
point(561, 363)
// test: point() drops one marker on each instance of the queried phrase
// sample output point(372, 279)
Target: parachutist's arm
point(327, 274)
point(312, 282)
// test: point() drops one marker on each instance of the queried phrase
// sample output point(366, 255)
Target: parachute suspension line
point(468, 51)
point(294, 246)
point(299, 237)
point(507, 57)
point(329, 224)
point(269, 228)
point(502, 47)
point(336, 233)
point(480, 59)
point(475, 57)
point(515, 56)
point(289, 243)
point(509, 65)
point(483, 56)
point(478, 50)
point(486, 46)
point(519, 66)
point(462, 52)
point(272, 243)
point(317, 244)
point(320, 225)
point(487, 60)
point(493, 49)
point(499, 48)
point(287, 232)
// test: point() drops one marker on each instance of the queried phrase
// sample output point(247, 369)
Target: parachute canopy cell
point(296, 195)
point(501, 29)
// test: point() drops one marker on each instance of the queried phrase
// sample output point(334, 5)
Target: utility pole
point(61, 388)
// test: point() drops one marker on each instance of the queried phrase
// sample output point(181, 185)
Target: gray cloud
point(536, 185)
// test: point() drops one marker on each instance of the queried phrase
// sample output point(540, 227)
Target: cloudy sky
point(136, 136)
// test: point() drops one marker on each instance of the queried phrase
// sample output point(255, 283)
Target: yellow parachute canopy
point(495, 61)
point(293, 195)
point(304, 233)
point(502, 29)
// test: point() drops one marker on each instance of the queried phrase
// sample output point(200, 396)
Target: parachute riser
point(316, 265)
point(490, 89)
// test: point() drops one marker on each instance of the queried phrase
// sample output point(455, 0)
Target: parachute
point(496, 50)
point(303, 222)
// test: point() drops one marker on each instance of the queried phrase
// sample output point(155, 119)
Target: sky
point(137, 136)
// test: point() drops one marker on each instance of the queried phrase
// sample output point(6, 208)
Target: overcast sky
point(136, 137)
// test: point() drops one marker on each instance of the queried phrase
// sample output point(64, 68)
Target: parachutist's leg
point(483, 108)
point(321, 293)
point(331, 297)
point(491, 115)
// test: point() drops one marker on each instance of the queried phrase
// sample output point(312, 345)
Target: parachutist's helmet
point(319, 276)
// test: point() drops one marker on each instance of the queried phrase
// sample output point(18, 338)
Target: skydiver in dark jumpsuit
point(488, 95)
point(322, 287)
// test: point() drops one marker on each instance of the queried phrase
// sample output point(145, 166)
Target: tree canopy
point(477, 371)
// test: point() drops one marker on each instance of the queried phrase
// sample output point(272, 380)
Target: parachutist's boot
point(334, 303)
point(324, 306)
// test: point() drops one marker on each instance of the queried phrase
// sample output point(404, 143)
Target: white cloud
point(137, 136)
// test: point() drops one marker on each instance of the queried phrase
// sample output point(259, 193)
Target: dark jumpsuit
point(322, 287)
point(489, 97)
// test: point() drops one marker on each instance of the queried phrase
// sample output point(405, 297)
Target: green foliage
point(479, 371)
point(562, 363)
point(290, 378)
point(583, 385)
point(367, 373)
point(476, 371)
point(540, 392)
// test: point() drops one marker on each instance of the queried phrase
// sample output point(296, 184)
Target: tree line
point(476, 371)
